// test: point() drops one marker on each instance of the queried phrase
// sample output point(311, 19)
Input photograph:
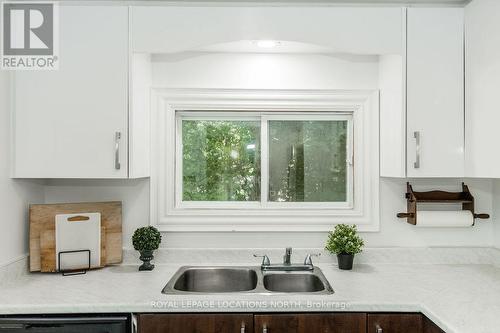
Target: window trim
point(362, 104)
point(264, 118)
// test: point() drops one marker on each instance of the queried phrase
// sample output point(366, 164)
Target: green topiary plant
point(146, 239)
point(344, 240)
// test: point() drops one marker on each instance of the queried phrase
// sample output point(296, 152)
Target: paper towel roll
point(444, 219)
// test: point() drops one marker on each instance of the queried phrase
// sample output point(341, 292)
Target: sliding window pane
point(221, 160)
point(307, 161)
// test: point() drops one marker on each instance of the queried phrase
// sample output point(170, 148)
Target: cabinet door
point(482, 82)
point(195, 323)
point(435, 92)
point(65, 121)
point(395, 323)
point(311, 323)
point(430, 327)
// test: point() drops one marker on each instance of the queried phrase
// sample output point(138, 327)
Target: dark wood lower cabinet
point(430, 327)
point(287, 323)
point(395, 323)
point(195, 323)
point(311, 323)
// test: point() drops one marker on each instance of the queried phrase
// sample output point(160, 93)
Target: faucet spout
point(287, 258)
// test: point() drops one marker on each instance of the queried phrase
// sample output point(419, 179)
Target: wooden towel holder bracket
point(413, 198)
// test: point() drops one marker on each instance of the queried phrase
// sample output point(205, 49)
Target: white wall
point(265, 71)
point(134, 195)
point(288, 72)
point(394, 232)
point(392, 116)
point(15, 195)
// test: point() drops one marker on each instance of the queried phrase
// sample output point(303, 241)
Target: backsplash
point(372, 256)
point(393, 232)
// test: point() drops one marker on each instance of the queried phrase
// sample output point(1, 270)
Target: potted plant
point(345, 243)
point(146, 240)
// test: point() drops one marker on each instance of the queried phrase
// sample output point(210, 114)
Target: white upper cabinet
point(357, 30)
point(435, 92)
point(90, 118)
point(73, 122)
point(482, 86)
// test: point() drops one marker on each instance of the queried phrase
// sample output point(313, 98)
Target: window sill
point(204, 227)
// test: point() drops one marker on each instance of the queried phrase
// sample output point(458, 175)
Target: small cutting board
point(48, 250)
point(77, 232)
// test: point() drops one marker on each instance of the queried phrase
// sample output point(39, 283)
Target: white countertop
point(461, 298)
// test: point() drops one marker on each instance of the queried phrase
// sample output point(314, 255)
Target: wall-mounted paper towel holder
point(413, 198)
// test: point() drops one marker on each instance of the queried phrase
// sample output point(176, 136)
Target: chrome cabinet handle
point(242, 330)
point(416, 135)
point(134, 324)
point(378, 329)
point(264, 329)
point(118, 136)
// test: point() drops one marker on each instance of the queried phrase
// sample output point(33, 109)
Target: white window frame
point(168, 213)
point(263, 118)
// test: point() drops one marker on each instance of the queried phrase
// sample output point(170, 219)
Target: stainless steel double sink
point(245, 279)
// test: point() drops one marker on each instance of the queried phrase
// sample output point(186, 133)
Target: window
point(308, 159)
point(264, 160)
point(238, 160)
point(220, 159)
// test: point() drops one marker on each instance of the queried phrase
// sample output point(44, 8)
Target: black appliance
point(66, 324)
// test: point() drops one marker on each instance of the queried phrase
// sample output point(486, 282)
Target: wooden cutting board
point(42, 220)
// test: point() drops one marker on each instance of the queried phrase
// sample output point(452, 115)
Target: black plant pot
point(345, 261)
point(146, 257)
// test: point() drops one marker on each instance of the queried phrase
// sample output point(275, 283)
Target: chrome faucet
point(287, 262)
point(265, 260)
point(287, 258)
point(308, 259)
